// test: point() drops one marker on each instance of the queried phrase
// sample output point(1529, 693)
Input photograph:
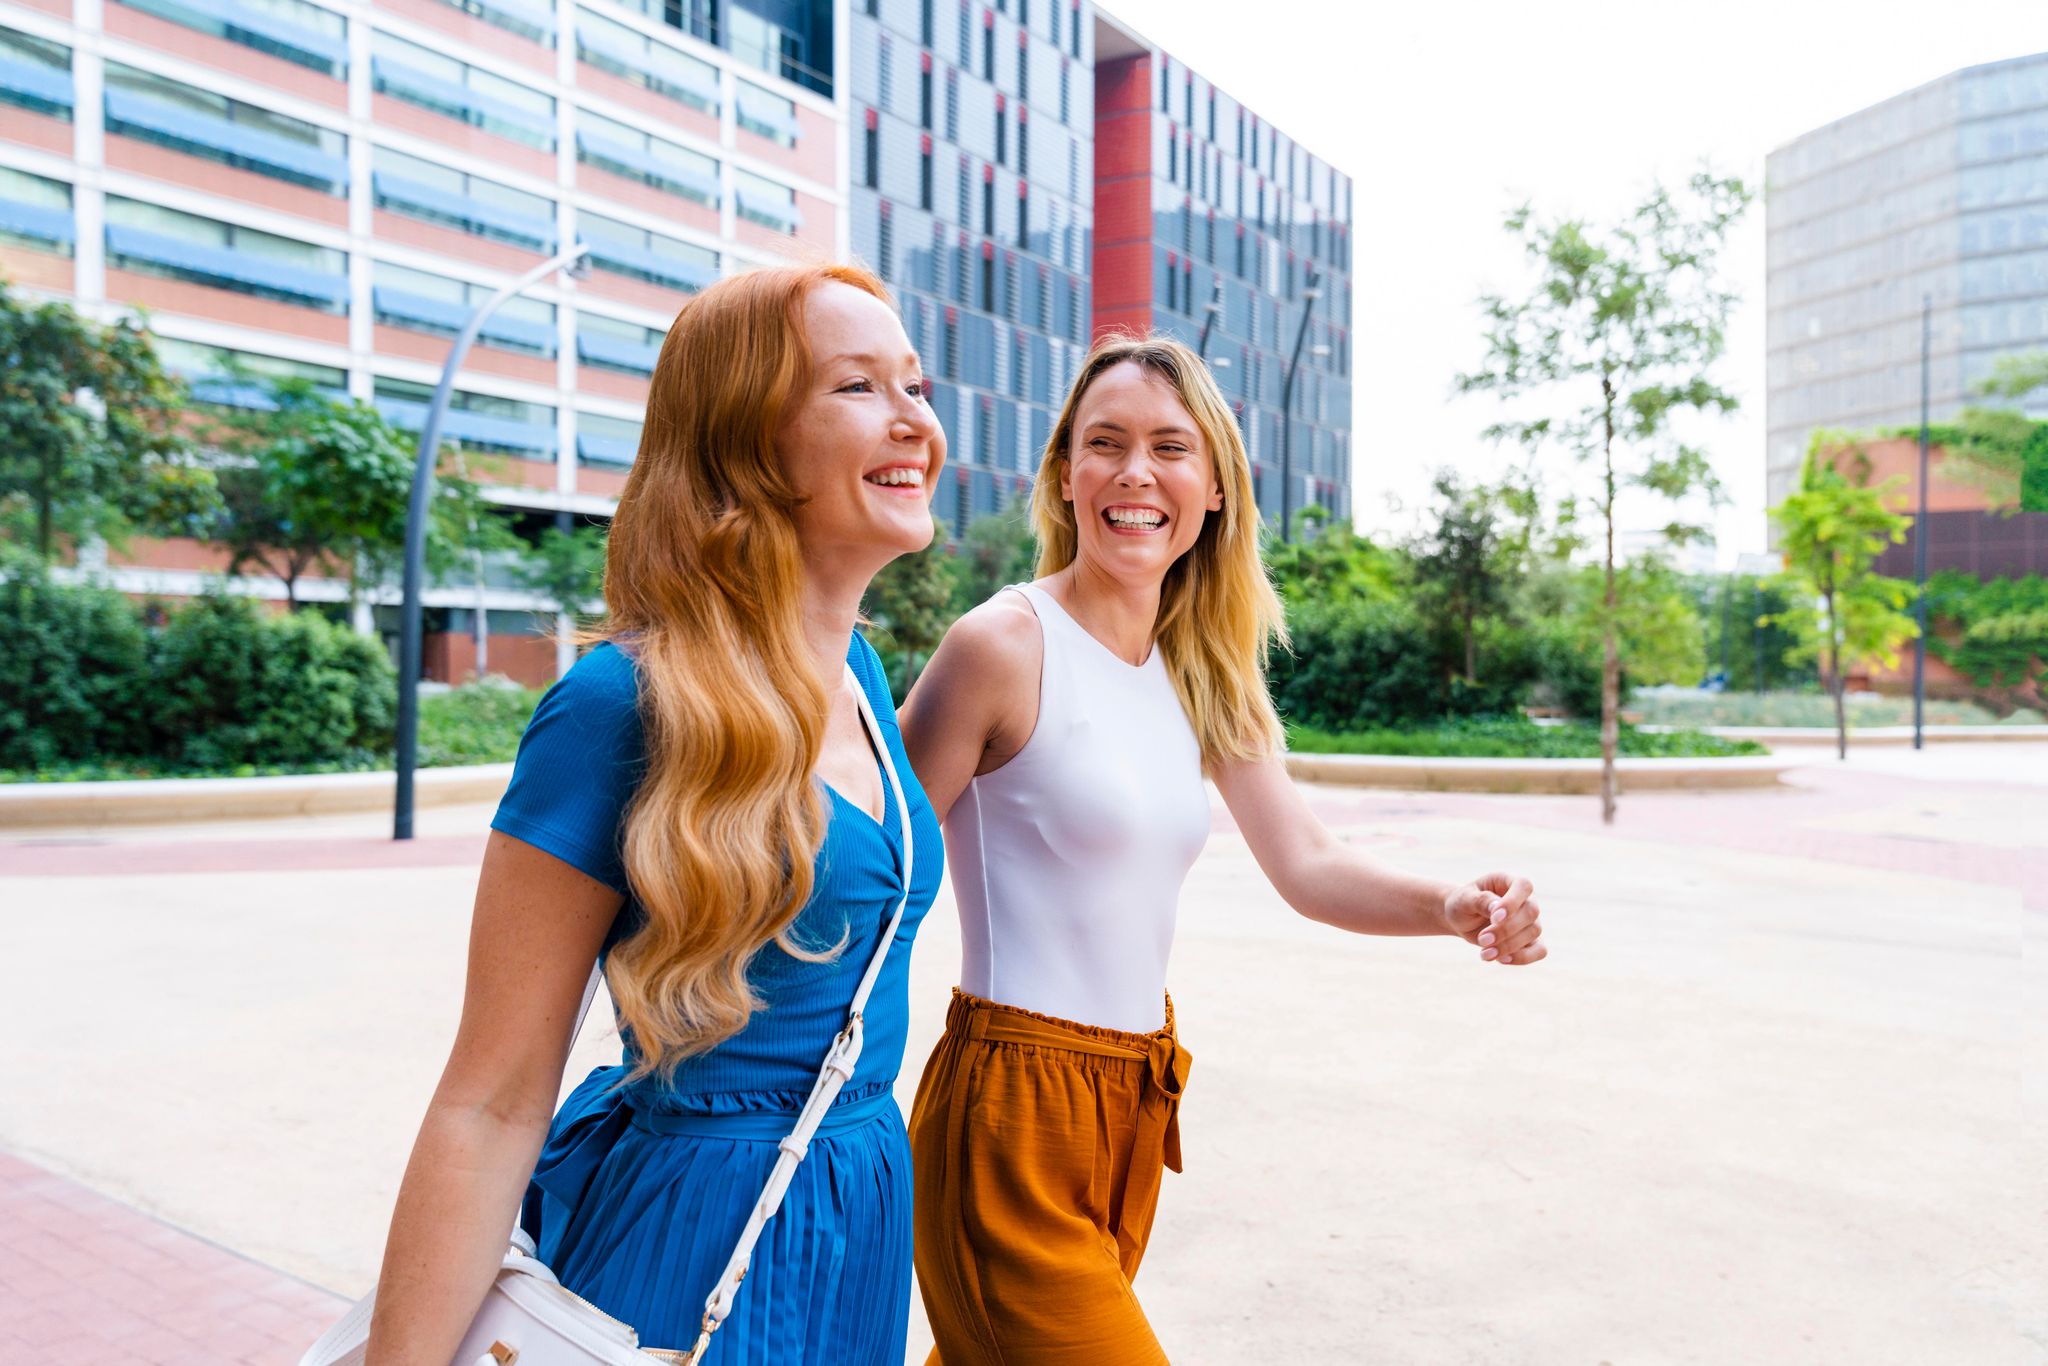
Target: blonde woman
point(1062, 731)
point(698, 803)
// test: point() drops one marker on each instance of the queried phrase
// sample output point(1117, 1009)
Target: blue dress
point(641, 1191)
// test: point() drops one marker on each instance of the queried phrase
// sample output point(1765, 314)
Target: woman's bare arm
point(976, 702)
point(1327, 880)
point(537, 928)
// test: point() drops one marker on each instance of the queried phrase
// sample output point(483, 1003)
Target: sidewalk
point(1767, 1103)
point(85, 1281)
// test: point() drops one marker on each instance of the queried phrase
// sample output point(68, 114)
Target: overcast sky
point(1446, 115)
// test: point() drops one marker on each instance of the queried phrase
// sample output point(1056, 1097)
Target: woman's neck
point(1119, 614)
point(830, 609)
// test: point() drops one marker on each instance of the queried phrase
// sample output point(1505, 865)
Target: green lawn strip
point(1515, 738)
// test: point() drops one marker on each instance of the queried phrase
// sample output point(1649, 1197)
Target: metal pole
point(1212, 308)
point(1920, 532)
point(1756, 628)
point(416, 537)
point(1727, 592)
point(1309, 294)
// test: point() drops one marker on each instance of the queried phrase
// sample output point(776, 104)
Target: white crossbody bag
point(529, 1318)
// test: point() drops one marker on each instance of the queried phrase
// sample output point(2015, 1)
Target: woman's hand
point(1498, 913)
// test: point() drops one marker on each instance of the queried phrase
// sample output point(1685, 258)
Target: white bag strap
point(832, 1077)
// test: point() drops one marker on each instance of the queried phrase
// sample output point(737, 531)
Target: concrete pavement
point(1768, 1102)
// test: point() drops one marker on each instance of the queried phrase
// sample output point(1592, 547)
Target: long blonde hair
point(1218, 612)
point(702, 584)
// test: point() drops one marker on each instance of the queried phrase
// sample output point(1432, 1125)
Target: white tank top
point(1068, 860)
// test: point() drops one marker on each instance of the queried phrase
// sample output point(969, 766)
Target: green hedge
point(219, 686)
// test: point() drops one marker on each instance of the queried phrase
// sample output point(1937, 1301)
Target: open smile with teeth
point(898, 477)
point(1134, 518)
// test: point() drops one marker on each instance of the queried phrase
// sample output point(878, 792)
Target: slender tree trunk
point(1837, 685)
point(1471, 650)
point(46, 512)
point(1610, 652)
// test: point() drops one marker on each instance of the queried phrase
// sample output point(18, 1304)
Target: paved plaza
point(1776, 1097)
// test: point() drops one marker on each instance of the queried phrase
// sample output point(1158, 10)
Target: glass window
point(424, 302)
point(633, 56)
point(639, 254)
point(532, 19)
point(155, 240)
point(240, 379)
point(606, 440)
point(468, 94)
point(615, 344)
point(655, 162)
point(35, 74)
point(765, 115)
point(439, 194)
point(765, 202)
point(294, 30)
point(35, 212)
point(201, 123)
point(477, 422)
point(768, 46)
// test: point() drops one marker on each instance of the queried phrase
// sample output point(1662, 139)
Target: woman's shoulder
point(600, 692)
point(1000, 634)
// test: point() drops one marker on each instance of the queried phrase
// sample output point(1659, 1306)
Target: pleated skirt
point(637, 1210)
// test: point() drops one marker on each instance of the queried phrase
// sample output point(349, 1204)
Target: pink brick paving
point(87, 1281)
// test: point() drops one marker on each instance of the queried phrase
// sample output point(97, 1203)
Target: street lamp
point(1311, 291)
point(416, 533)
point(1211, 309)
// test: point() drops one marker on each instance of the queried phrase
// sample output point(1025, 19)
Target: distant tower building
point(1192, 189)
point(972, 163)
point(1941, 192)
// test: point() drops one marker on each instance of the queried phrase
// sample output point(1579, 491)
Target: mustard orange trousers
point(1037, 1147)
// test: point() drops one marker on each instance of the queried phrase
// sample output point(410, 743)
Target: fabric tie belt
point(765, 1126)
point(1166, 1065)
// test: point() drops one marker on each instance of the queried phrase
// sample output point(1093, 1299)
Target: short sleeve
point(579, 762)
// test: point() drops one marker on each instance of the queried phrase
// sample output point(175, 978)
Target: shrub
point(71, 672)
point(237, 687)
point(1371, 664)
point(478, 723)
point(1515, 738)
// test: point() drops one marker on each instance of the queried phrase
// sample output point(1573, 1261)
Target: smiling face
point(860, 446)
point(1139, 474)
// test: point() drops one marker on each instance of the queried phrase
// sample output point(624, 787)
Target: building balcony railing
point(479, 429)
point(474, 108)
point(462, 212)
point(778, 214)
point(227, 268)
point(38, 222)
point(647, 166)
point(643, 263)
point(607, 450)
point(449, 317)
point(617, 353)
point(252, 27)
point(32, 85)
point(183, 130)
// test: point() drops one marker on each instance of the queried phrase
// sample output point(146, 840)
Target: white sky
point(1445, 115)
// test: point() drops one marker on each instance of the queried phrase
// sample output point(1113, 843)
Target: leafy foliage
point(1844, 614)
point(1994, 632)
point(1615, 338)
point(219, 685)
point(997, 551)
point(567, 568)
point(90, 444)
point(478, 723)
point(910, 604)
point(1460, 570)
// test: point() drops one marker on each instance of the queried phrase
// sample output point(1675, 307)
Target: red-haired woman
point(699, 803)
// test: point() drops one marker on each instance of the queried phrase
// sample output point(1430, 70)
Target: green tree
point(1845, 614)
point(911, 604)
point(313, 481)
point(1617, 337)
point(566, 569)
point(1459, 570)
point(90, 443)
point(1329, 562)
point(997, 551)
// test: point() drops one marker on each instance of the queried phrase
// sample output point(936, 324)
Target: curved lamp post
point(1311, 291)
point(416, 534)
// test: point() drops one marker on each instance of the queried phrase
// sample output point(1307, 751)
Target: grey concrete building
point(1940, 193)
